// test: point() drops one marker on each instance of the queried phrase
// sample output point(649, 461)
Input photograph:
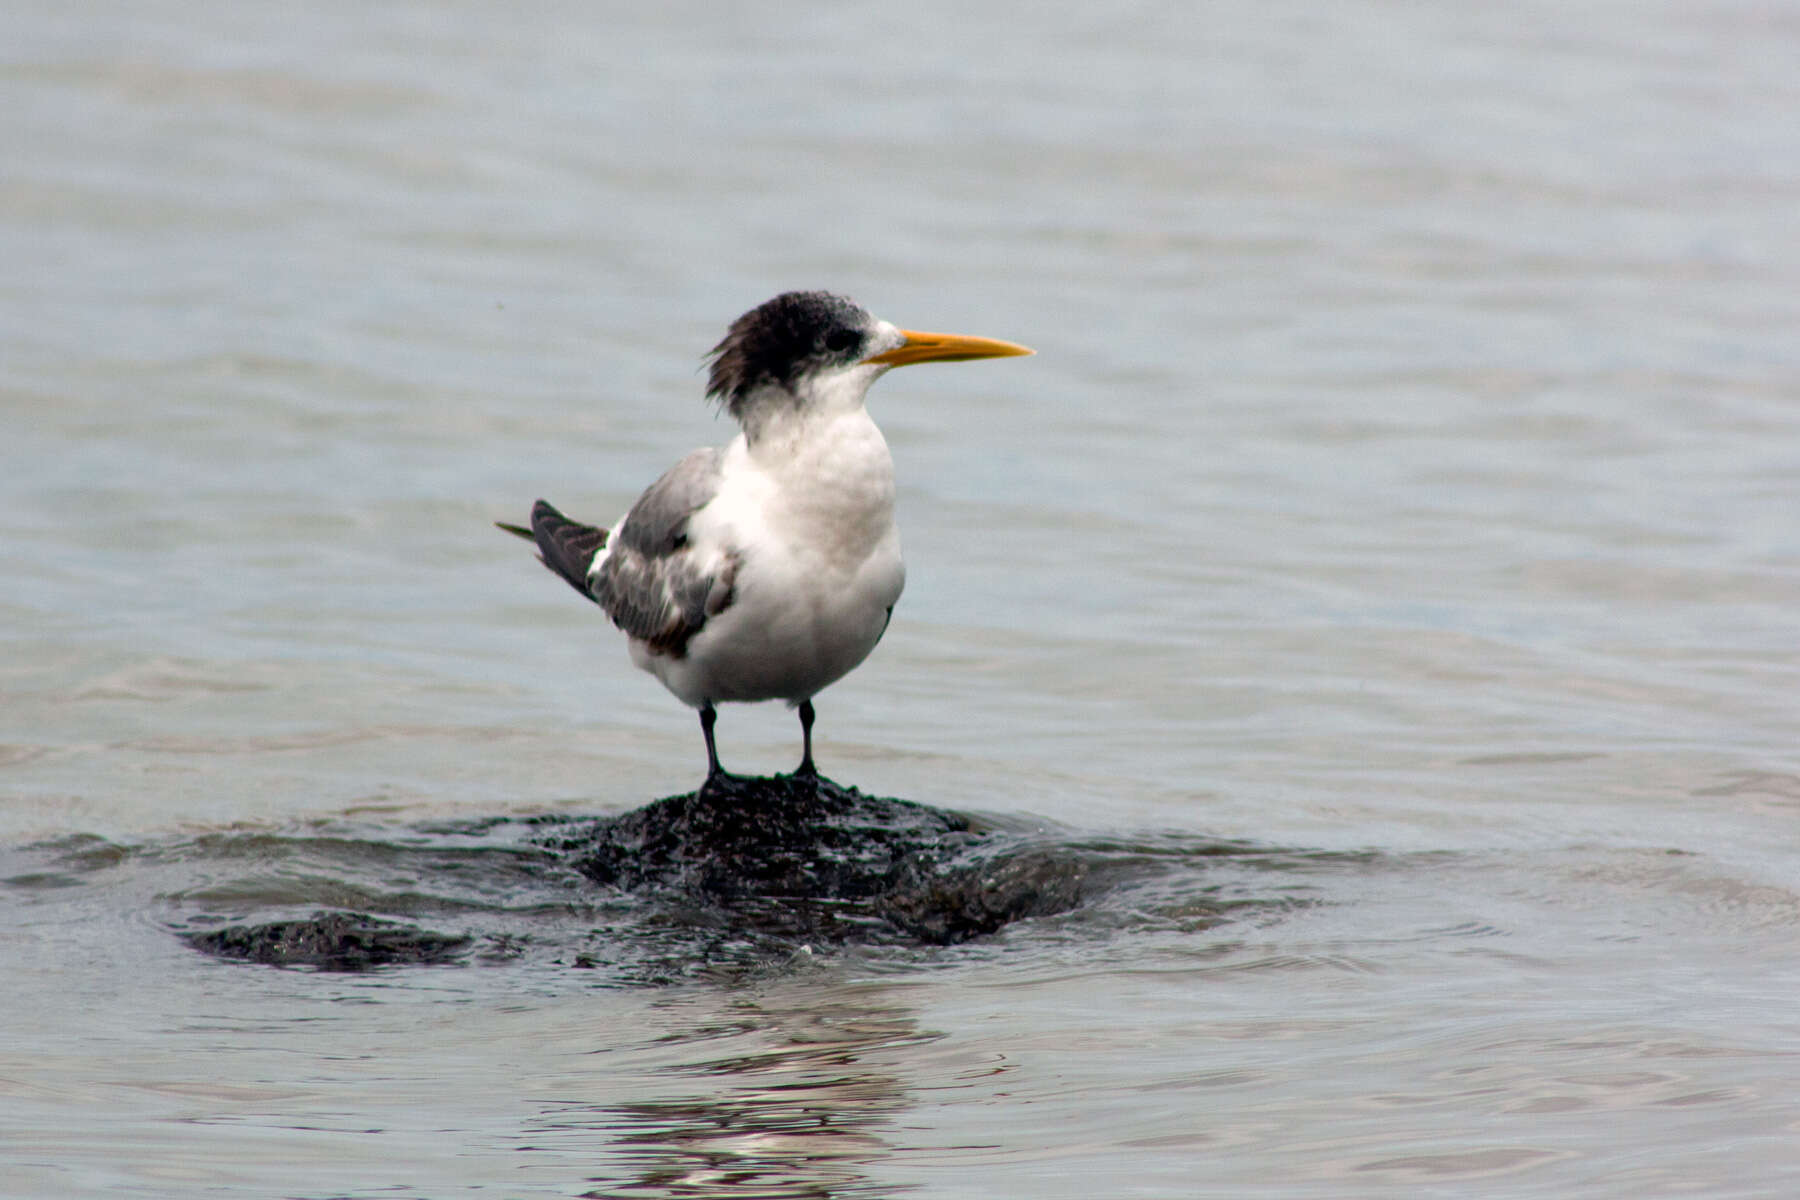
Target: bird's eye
point(840, 340)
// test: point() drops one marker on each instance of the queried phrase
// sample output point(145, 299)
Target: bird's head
point(817, 351)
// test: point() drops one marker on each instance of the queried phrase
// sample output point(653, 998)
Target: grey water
point(1396, 537)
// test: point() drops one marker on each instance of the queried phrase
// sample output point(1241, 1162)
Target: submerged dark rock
point(973, 898)
point(745, 872)
point(331, 941)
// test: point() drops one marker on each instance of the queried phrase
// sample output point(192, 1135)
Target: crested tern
point(769, 568)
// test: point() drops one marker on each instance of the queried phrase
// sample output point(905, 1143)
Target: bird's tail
point(566, 547)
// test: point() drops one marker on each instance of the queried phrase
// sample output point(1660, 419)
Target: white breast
point(809, 514)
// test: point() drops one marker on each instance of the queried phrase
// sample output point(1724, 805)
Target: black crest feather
point(777, 340)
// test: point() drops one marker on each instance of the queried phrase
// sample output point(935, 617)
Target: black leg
point(714, 772)
point(806, 769)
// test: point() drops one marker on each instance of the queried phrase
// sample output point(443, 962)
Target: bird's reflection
point(798, 1114)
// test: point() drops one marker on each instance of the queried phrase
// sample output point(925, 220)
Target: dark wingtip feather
point(567, 547)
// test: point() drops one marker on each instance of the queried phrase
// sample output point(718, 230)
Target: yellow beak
point(945, 347)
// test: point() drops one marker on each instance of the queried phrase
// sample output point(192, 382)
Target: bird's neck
point(832, 473)
point(779, 413)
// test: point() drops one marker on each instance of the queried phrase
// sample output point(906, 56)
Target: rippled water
point(1390, 563)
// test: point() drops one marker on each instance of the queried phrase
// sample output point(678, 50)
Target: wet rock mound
point(746, 870)
point(810, 859)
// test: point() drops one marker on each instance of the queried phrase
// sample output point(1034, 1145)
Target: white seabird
point(768, 569)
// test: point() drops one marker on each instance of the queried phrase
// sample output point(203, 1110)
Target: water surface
point(1404, 490)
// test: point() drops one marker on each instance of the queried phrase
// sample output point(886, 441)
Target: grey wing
point(650, 581)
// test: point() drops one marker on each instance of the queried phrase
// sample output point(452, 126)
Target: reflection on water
point(800, 1116)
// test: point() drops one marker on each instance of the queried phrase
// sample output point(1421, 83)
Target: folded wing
point(651, 580)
